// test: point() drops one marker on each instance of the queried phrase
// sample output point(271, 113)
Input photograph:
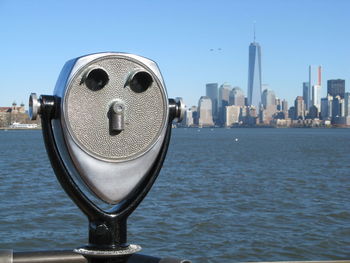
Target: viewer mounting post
point(106, 129)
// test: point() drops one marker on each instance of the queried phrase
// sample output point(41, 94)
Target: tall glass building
point(306, 91)
point(212, 92)
point(347, 103)
point(314, 98)
point(254, 75)
point(205, 112)
point(336, 87)
point(237, 97)
point(268, 99)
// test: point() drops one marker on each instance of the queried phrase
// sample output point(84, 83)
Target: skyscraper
point(306, 91)
point(205, 112)
point(336, 87)
point(315, 76)
point(326, 107)
point(254, 75)
point(347, 104)
point(212, 92)
point(232, 115)
point(268, 99)
point(224, 97)
point(236, 97)
point(316, 96)
point(284, 105)
point(299, 108)
point(188, 118)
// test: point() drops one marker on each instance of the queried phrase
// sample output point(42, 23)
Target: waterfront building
point(336, 107)
point(347, 104)
point(212, 92)
point(268, 99)
point(284, 105)
point(254, 75)
point(195, 115)
point(245, 101)
point(248, 115)
point(232, 113)
point(188, 118)
point(313, 112)
point(299, 108)
point(306, 91)
point(336, 87)
point(316, 96)
point(280, 115)
point(15, 114)
point(315, 78)
point(291, 112)
point(236, 97)
point(264, 116)
point(285, 108)
point(278, 103)
point(224, 97)
point(326, 108)
point(342, 107)
point(224, 94)
point(14, 108)
point(205, 112)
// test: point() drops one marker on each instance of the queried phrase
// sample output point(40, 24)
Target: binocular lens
point(96, 79)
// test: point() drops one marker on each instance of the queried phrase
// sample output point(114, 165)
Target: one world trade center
point(254, 75)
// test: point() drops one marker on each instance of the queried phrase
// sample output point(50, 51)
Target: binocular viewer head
point(109, 116)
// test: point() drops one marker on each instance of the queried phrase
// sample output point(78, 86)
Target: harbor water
point(223, 195)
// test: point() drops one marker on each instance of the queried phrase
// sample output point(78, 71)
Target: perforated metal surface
point(86, 112)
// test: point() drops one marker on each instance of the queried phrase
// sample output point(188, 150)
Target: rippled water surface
point(272, 194)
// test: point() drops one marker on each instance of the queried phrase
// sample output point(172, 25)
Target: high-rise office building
point(306, 91)
point(232, 115)
point(336, 87)
point(316, 96)
point(224, 94)
point(299, 108)
point(268, 99)
point(188, 118)
point(326, 107)
point(278, 103)
point(254, 75)
point(285, 108)
point(205, 112)
point(347, 104)
point(236, 97)
point(315, 79)
point(224, 97)
point(212, 92)
point(284, 105)
point(337, 107)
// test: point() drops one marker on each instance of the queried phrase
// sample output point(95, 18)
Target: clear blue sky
point(38, 37)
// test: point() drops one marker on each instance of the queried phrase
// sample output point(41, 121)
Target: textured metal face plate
point(86, 111)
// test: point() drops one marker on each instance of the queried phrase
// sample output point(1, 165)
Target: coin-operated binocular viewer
point(106, 129)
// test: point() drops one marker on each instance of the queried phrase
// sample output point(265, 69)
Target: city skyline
point(227, 106)
point(190, 49)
